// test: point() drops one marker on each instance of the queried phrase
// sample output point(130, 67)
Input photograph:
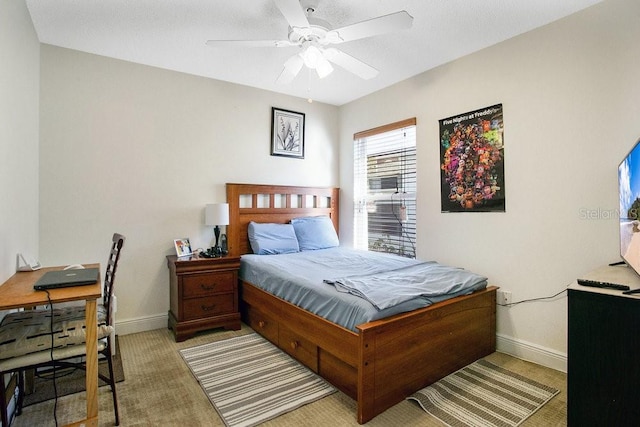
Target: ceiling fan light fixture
point(323, 68)
point(311, 56)
point(314, 59)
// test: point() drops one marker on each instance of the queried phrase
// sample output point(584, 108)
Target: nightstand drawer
point(208, 283)
point(197, 308)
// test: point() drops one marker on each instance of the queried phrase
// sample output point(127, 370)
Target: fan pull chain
point(309, 99)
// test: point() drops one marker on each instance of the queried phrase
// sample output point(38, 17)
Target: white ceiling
point(171, 34)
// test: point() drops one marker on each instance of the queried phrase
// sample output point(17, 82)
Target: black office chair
point(68, 323)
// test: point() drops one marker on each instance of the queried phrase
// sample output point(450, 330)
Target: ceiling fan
point(314, 36)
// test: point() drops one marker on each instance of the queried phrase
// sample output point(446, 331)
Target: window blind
point(385, 189)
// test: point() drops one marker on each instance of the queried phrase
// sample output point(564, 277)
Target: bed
point(382, 361)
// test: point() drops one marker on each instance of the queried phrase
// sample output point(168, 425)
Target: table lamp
point(216, 214)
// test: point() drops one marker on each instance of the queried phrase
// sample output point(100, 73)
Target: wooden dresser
point(203, 294)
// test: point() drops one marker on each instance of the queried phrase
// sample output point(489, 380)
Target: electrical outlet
point(503, 297)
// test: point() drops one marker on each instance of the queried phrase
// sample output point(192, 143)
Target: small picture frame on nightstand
point(183, 247)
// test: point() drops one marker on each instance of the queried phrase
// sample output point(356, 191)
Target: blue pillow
point(271, 239)
point(315, 232)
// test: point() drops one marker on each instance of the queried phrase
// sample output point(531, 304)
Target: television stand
point(603, 372)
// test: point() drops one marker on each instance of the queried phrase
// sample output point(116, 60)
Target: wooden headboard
point(274, 204)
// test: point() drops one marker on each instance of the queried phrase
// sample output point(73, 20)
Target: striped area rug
point(483, 394)
point(249, 380)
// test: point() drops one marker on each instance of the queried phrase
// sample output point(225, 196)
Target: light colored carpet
point(160, 390)
point(69, 380)
point(249, 380)
point(483, 395)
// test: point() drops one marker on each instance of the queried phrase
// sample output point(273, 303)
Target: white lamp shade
point(323, 67)
point(216, 214)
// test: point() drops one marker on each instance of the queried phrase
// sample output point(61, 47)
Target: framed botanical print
point(287, 133)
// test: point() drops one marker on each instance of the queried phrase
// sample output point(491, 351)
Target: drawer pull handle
point(208, 307)
point(294, 345)
point(206, 287)
point(261, 324)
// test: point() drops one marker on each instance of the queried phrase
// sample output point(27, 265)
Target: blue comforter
point(299, 278)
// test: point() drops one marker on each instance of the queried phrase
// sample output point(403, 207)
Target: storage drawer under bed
point(261, 323)
point(293, 344)
point(298, 347)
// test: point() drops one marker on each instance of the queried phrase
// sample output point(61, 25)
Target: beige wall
point(140, 151)
point(19, 86)
point(570, 96)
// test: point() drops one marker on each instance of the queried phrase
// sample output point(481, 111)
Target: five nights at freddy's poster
point(472, 161)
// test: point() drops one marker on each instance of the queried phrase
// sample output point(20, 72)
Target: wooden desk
point(17, 292)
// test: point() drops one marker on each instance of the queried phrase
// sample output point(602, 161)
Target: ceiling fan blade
point(350, 63)
point(249, 43)
point(291, 69)
point(293, 13)
point(372, 27)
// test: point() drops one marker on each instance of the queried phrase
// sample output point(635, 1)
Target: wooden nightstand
point(203, 294)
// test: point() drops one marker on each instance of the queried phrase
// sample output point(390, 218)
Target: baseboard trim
point(141, 324)
point(532, 352)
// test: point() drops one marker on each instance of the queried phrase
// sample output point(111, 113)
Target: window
point(385, 189)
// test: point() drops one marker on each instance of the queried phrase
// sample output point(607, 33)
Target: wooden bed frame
point(388, 359)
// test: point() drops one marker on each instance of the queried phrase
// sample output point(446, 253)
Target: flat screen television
point(629, 193)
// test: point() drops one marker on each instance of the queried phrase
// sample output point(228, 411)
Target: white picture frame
point(183, 247)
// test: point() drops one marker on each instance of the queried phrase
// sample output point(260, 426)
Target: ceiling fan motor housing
point(316, 31)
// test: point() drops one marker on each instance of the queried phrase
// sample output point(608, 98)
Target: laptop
point(66, 278)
